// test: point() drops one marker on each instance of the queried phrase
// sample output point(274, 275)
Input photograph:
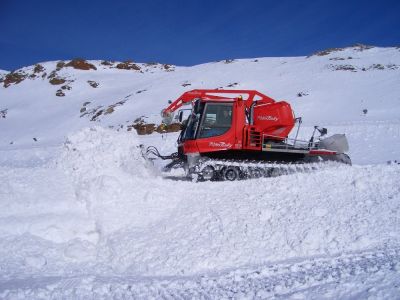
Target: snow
point(83, 215)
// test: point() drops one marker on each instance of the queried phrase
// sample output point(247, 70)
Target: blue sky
point(188, 32)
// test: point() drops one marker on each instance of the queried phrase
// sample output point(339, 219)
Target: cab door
point(216, 131)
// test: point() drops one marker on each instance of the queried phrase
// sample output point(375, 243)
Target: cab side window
point(217, 119)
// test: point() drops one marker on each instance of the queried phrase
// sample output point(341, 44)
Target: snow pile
point(113, 179)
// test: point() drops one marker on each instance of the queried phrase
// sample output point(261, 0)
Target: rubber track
point(269, 169)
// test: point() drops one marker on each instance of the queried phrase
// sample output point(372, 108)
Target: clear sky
point(188, 32)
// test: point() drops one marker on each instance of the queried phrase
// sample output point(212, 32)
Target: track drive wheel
point(231, 173)
point(208, 173)
point(257, 173)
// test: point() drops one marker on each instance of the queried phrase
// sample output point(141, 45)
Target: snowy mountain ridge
point(342, 85)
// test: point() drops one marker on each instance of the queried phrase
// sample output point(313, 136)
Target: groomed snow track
point(376, 273)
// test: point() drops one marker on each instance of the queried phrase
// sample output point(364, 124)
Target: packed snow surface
point(83, 215)
point(98, 208)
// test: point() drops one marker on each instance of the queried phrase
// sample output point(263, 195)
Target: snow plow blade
point(336, 142)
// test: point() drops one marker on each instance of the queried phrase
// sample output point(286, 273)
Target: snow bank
point(99, 209)
point(113, 180)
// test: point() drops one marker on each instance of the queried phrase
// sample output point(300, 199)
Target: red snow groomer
point(234, 134)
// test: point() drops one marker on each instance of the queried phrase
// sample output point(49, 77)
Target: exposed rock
point(392, 66)
point(96, 113)
point(66, 87)
point(361, 47)
point(83, 108)
point(149, 64)
point(143, 129)
point(14, 78)
point(232, 84)
point(109, 110)
point(302, 94)
point(89, 112)
point(139, 92)
point(106, 63)
point(93, 84)
point(38, 68)
point(357, 47)
point(3, 113)
point(186, 84)
point(342, 68)
point(128, 65)
point(377, 67)
point(326, 51)
point(228, 61)
point(60, 93)
point(60, 65)
point(168, 67)
point(175, 127)
point(380, 67)
point(80, 64)
point(138, 120)
point(57, 81)
point(53, 74)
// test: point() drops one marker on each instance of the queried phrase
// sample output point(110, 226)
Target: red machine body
point(227, 127)
point(249, 118)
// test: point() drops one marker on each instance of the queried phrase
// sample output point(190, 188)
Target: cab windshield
point(216, 119)
point(211, 119)
point(191, 128)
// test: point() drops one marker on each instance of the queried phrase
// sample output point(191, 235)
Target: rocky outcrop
point(80, 64)
point(14, 78)
point(128, 65)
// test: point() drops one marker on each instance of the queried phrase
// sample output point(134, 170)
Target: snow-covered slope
point(357, 85)
point(86, 217)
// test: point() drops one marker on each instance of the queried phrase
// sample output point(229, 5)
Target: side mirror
point(180, 116)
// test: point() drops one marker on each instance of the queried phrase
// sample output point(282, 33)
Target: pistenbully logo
point(220, 144)
point(267, 118)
